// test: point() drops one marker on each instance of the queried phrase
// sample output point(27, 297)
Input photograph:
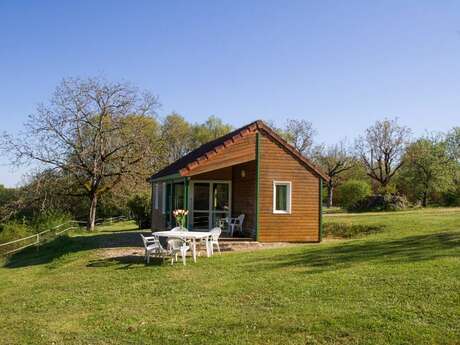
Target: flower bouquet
point(181, 216)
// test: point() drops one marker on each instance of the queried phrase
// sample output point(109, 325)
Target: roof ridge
point(206, 150)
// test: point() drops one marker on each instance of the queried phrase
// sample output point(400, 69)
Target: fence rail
point(17, 245)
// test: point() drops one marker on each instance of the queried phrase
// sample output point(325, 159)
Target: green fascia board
point(167, 178)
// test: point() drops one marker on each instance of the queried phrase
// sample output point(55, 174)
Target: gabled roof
point(208, 150)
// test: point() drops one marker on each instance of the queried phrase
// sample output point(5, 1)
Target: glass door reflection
point(211, 202)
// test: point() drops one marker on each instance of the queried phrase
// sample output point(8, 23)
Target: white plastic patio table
point(188, 235)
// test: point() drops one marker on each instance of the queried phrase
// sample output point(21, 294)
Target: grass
point(333, 210)
point(398, 286)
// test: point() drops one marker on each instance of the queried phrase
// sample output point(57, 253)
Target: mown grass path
point(400, 286)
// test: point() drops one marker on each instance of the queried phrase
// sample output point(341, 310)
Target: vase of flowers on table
point(181, 216)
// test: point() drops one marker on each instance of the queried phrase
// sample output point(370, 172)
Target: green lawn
point(399, 286)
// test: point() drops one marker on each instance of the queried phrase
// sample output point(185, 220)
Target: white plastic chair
point(236, 223)
point(152, 247)
point(177, 246)
point(214, 239)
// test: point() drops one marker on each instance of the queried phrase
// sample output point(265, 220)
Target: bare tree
point(91, 130)
point(334, 161)
point(300, 134)
point(381, 150)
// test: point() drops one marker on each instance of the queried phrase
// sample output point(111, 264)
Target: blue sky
point(340, 64)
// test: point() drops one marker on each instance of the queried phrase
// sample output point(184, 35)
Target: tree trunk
point(383, 186)
point(425, 199)
point(92, 213)
point(330, 193)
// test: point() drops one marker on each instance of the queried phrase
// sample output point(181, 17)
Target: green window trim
point(282, 197)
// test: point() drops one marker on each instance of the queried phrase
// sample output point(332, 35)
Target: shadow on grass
point(408, 249)
point(64, 245)
point(125, 262)
point(312, 259)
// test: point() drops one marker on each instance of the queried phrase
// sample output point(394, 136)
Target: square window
point(281, 197)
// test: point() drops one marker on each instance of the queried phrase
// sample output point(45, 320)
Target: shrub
point(380, 202)
point(49, 220)
point(451, 198)
point(139, 206)
point(14, 230)
point(343, 230)
point(353, 191)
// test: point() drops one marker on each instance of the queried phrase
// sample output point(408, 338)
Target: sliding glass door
point(210, 202)
point(174, 199)
point(200, 217)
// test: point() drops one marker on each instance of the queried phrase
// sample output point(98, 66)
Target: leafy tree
point(176, 137)
point(83, 133)
point(354, 191)
point(381, 150)
point(139, 205)
point(428, 168)
point(212, 129)
point(453, 149)
point(334, 160)
point(179, 137)
point(358, 172)
point(149, 129)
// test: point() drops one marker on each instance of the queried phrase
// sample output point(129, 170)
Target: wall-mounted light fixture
point(243, 173)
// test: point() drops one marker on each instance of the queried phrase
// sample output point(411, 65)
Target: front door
point(210, 201)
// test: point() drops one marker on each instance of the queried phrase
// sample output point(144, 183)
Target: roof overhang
point(208, 156)
point(230, 139)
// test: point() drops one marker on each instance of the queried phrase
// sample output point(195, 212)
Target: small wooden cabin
point(251, 171)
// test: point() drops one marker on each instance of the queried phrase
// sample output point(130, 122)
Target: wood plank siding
point(244, 195)
point(276, 164)
point(221, 174)
point(239, 152)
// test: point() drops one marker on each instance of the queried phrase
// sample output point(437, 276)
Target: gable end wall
point(302, 225)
